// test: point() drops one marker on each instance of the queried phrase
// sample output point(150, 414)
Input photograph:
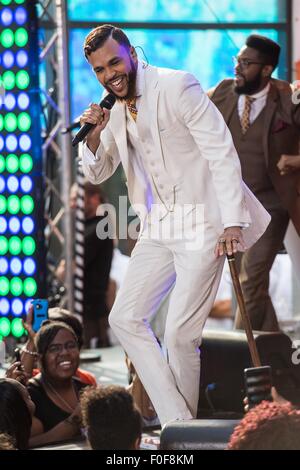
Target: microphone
point(74, 125)
point(107, 103)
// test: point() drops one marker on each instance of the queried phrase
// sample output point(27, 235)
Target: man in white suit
point(177, 153)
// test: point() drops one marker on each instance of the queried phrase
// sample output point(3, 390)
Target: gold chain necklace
point(48, 384)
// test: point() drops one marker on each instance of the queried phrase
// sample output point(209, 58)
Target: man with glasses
point(265, 124)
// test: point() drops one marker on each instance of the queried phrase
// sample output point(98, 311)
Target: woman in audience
point(29, 351)
point(55, 391)
point(16, 412)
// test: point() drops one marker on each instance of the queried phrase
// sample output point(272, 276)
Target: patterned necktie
point(131, 105)
point(245, 119)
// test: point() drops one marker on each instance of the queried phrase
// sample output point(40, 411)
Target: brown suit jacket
point(281, 136)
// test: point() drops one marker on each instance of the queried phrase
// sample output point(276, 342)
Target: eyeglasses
point(244, 63)
point(58, 348)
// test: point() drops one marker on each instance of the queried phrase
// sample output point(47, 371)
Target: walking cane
point(245, 317)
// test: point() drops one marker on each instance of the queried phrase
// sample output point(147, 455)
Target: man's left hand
point(228, 242)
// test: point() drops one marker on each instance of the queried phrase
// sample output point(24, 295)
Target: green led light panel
point(22, 247)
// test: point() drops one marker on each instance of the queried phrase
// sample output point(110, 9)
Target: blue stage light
point(20, 15)
point(25, 142)
point(27, 225)
point(11, 143)
point(14, 225)
point(3, 224)
point(26, 184)
point(9, 101)
point(23, 100)
point(12, 184)
point(6, 17)
point(1, 143)
point(8, 59)
point(2, 184)
point(22, 59)
point(17, 307)
point(29, 266)
point(15, 266)
point(4, 306)
point(3, 265)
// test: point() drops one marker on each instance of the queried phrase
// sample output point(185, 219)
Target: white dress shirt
point(257, 106)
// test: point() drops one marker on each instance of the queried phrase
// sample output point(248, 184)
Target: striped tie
point(245, 119)
point(131, 105)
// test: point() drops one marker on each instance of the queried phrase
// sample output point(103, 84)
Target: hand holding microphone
point(93, 121)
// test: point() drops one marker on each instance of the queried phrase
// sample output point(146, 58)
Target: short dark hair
point(268, 426)
point(98, 36)
point(46, 335)
point(269, 49)
point(15, 418)
point(111, 418)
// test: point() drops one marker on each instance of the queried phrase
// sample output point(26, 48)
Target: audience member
point(111, 419)
point(29, 351)
point(268, 426)
point(16, 412)
point(55, 391)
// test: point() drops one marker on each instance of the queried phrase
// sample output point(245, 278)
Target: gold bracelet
point(31, 353)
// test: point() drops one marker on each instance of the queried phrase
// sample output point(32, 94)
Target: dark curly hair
point(268, 426)
point(15, 418)
point(111, 418)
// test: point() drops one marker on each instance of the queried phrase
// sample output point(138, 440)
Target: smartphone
point(21, 378)
point(258, 384)
point(40, 313)
point(18, 357)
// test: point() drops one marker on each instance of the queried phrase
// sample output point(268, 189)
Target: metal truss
point(57, 155)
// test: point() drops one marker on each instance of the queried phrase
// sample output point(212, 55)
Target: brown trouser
point(255, 266)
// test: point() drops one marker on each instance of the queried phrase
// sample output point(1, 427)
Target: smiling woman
point(55, 391)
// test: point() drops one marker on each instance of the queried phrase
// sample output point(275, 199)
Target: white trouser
point(155, 265)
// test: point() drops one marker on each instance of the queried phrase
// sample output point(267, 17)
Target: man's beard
point(250, 86)
point(131, 79)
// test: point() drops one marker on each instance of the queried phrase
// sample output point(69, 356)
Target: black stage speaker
point(197, 434)
point(225, 355)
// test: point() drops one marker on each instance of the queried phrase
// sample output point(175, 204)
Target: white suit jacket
point(194, 145)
